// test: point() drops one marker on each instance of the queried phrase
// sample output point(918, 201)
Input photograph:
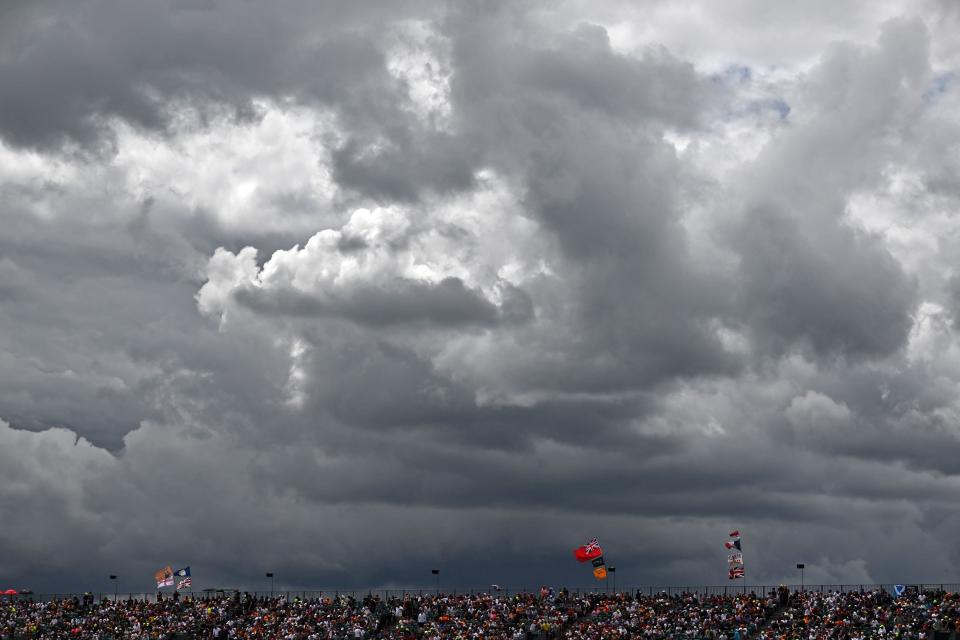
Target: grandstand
point(928, 612)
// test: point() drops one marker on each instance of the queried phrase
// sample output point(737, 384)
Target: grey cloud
point(599, 178)
point(809, 278)
point(641, 375)
point(586, 71)
point(953, 297)
point(15, 283)
point(448, 303)
point(432, 161)
point(144, 63)
point(517, 306)
point(838, 294)
point(383, 388)
point(883, 421)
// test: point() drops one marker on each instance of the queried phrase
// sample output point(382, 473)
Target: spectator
point(524, 616)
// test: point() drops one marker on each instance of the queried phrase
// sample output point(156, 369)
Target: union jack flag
point(186, 583)
point(736, 572)
point(591, 546)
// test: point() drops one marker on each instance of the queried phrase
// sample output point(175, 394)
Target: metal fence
point(387, 593)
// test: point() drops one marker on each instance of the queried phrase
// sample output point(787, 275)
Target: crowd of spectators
point(852, 615)
point(526, 616)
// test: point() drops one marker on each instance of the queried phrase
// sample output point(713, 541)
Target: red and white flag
point(588, 551)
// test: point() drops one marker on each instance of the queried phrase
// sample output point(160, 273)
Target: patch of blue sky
point(741, 80)
point(941, 84)
point(760, 108)
point(734, 74)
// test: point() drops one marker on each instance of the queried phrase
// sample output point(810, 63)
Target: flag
point(164, 577)
point(735, 560)
point(186, 583)
point(182, 573)
point(598, 562)
point(600, 573)
point(588, 551)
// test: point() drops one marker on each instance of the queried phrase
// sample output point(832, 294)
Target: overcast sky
point(348, 291)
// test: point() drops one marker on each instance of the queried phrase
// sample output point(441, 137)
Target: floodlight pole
point(801, 566)
point(270, 575)
point(436, 573)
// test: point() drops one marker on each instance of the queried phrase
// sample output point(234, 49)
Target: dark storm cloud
point(581, 126)
point(147, 64)
point(811, 279)
point(596, 288)
point(903, 419)
point(447, 303)
point(73, 327)
point(434, 160)
point(384, 388)
point(953, 299)
point(838, 294)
